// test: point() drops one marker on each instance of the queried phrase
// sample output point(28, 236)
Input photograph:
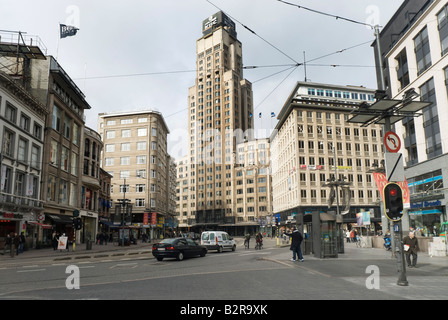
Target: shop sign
point(424, 204)
point(10, 215)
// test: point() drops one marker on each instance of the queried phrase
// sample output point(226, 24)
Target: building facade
point(312, 144)
point(135, 155)
point(414, 47)
point(249, 196)
point(22, 123)
point(220, 109)
point(63, 181)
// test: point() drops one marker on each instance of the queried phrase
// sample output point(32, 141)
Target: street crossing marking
point(36, 270)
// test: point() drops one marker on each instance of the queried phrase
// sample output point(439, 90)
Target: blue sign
point(396, 228)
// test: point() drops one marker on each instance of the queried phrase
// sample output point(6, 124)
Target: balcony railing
point(21, 201)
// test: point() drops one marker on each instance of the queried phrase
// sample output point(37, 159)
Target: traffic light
point(77, 223)
point(393, 201)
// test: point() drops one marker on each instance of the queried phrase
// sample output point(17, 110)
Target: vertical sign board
point(394, 167)
point(145, 218)
point(153, 219)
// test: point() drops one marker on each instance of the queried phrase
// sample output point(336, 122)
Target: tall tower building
point(220, 117)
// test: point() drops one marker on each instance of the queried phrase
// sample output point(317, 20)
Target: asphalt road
point(241, 275)
point(245, 282)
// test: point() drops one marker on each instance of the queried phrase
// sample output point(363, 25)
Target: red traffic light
point(393, 192)
point(393, 201)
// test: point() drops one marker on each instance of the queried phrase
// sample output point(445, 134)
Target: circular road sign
point(392, 141)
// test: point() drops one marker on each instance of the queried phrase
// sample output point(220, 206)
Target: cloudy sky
point(140, 54)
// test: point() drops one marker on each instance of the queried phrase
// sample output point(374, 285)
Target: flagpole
point(59, 38)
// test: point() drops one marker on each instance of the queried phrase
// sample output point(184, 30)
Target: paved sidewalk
point(80, 252)
point(99, 251)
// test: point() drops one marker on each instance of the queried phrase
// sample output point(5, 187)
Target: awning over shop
point(60, 219)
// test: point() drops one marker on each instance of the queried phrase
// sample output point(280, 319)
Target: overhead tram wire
point(327, 14)
point(287, 76)
point(136, 74)
point(253, 32)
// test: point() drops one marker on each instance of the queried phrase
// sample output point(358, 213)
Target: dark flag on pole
point(67, 31)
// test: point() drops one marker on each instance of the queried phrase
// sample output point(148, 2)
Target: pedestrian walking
point(246, 241)
point(12, 249)
point(8, 243)
point(295, 244)
point(54, 240)
point(347, 236)
point(410, 244)
point(22, 242)
point(352, 236)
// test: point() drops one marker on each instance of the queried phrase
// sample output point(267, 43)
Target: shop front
point(157, 230)
point(17, 223)
point(8, 225)
point(425, 217)
point(89, 226)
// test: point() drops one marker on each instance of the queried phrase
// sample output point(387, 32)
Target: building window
point(10, 113)
point(431, 120)
point(110, 134)
point(124, 161)
point(37, 131)
point(109, 161)
point(422, 51)
point(63, 192)
point(64, 158)
point(141, 145)
point(142, 132)
point(443, 29)
point(140, 203)
point(140, 173)
point(54, 147)
point(402, 69)
point(110, 148)
point(74, 164)
point(22, 150)
point(25, 122)
point(35, 157)
point(141, 159)
point(126, 133)
point(75, 138)
point(126, 121)
point(67, 127)
point(56, 123)
point(51, 188)
point(125, 147)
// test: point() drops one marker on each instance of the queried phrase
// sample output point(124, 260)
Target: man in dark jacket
point(297, 238)
point(410, 248)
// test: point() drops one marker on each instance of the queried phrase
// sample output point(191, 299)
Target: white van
point(217, 240)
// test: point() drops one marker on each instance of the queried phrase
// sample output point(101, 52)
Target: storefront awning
point(60, 219)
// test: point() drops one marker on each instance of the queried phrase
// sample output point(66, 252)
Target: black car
point(178, 248)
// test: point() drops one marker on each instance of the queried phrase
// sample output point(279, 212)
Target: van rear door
point(205, 238)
